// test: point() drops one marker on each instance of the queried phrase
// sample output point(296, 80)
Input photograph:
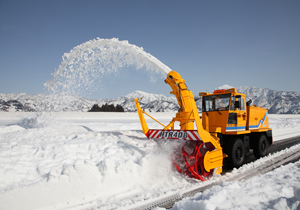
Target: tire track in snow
point(279, 159)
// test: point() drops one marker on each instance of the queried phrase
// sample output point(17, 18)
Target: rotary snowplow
point(228, 129)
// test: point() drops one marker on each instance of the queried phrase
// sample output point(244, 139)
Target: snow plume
point(93, 59)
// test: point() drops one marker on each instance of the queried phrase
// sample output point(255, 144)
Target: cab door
point(241, 112)
point(237, 118)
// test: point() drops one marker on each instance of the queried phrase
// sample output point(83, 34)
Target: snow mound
point(65, 164)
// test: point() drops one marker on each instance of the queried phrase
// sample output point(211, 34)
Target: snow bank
point(278, 189)
point(47, 161)
point(86, 160)
point(284, 126)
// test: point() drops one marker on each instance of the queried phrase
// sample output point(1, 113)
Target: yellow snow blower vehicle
point(230, 127)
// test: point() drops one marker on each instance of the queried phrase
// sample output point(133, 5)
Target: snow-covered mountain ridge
point(67, 102)
point(277, 102)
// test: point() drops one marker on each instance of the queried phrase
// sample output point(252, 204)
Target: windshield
point(216, 102)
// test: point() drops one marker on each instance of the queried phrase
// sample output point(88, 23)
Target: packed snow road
point(93, 160)
point(260, 167)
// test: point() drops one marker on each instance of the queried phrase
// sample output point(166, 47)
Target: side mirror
point(249, 102)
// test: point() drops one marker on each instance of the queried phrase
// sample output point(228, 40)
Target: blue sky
point(210, 43)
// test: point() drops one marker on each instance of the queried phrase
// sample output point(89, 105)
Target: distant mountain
point(41, 102)
point(278, 102)
point(68, 102)
point(149, 102)
point(224, 87)
point(14, 106)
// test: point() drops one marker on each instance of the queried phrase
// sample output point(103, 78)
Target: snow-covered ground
point(278, 189)
point(75, 160)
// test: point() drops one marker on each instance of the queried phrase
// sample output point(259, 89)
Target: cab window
point(240, 99)
point(232, 107)
point(242, 104)
point(216, 103)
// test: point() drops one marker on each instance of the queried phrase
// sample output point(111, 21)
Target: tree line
point(107, 108)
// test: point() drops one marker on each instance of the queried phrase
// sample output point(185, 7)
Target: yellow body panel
point(216, 121)
point(257, 118)
point(213, 159)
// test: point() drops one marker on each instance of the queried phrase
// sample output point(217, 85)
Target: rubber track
point(169, 201)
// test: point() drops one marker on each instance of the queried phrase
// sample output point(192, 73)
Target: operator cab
point(224, 111)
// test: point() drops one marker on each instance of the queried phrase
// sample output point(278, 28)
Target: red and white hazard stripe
point(174, 134)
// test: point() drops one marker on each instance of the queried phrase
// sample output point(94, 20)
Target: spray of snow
point(91, 60)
